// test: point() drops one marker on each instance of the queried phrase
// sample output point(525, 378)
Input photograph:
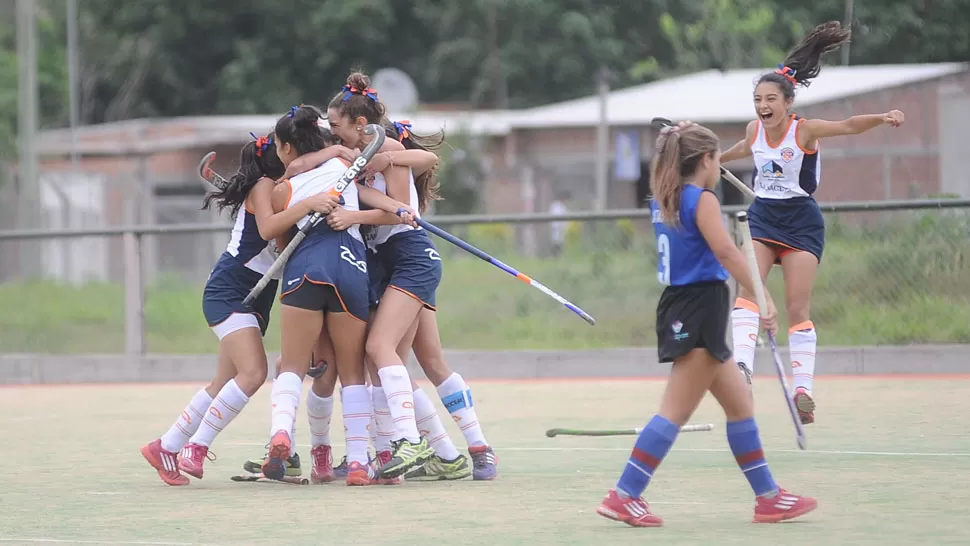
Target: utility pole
point(847, 24)
point(602, 140)
point(29, 206)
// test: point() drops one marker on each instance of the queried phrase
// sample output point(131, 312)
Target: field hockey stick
point(259, 478)
point(212, 179)
point(345, 180)
point(504, 267)
point(726, 174)
point(759, 292)
point(553, 432)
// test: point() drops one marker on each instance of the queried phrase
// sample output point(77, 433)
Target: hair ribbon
point(788, 72)
point(262, 144)
point(350, 91)
point(403, 128)
point(292, 112)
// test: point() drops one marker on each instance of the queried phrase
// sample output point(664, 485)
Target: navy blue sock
point(651, 447)
point(746, 446)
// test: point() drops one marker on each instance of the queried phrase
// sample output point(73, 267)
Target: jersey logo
point(772, 170)
point(787, 154)
point(433, 254)
point(348, 256)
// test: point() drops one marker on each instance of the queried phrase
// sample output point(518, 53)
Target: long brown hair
point(679, 151)
point(426, 184)
point(804, 61)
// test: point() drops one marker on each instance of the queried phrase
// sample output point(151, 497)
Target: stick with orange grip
point(355, 169)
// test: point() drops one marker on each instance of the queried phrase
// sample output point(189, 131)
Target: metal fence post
point(134, 296)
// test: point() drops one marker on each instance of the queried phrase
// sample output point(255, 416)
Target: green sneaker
point(406, 456)
point(439, 469)
point(255, 466)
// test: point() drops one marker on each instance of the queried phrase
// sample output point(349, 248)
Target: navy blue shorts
point(227, 287)
point(788, 225)
point(327, 272)
point(412, 265)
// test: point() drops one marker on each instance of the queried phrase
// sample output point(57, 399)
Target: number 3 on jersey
point(663, 260)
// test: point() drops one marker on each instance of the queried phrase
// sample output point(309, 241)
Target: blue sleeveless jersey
point(683, 256)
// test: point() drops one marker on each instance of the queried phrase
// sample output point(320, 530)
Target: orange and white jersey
point(784, 170)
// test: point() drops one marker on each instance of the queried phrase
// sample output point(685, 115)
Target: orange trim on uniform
point(805, 325)
point(289, 189)
point(791, 119)
point(754, 137)
point(421, 301)
point(742, 303)
point(799, 144)
point(337, 292)
point(246, 205)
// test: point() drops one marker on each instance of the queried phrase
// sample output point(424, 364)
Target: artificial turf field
point(888, 459)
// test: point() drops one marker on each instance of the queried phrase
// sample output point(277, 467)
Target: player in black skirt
point(695, 254)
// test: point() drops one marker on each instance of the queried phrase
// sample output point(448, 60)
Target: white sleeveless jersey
point(785, 170)
point(321, 180)
point(380, 234)
point(247, 245)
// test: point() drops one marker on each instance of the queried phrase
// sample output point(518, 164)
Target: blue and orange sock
point(651, 447)
point(746, 446)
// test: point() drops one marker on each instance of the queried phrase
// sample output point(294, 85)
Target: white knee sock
point(802, 340)
point(382, 419)
point(431, 427)
point(745, 323)
point(319, 412)
point(226, 406)
point(286, 399)
point(400, 401)
point(187, 423)
point(357, 412)
point(457, 398)
point(372, 426)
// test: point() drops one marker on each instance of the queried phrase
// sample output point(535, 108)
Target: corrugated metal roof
point(713, 96)
point(168, 134)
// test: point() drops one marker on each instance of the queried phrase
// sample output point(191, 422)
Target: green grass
point(883, 468)
point(904, 279)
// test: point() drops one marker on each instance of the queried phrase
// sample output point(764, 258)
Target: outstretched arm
point(814, 129)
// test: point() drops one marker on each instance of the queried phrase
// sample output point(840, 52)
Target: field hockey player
point(695, 254)
point(786, 223)
point(242, 359)
point(325, 286)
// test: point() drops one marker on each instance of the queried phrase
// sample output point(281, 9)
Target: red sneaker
point(192, 458)
point(805, 405)
point(781, 507)
point(383, 457)
point(274, 466)
point(322, 465)
point(164, 462)
point(360, 474)
point(634, 512)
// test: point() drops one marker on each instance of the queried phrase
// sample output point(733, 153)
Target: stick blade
point(553, 432)
point(660, 123)
point(206, 173)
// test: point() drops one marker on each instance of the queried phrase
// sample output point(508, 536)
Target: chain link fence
point(888, 277)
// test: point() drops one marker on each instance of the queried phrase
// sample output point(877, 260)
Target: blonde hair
point(679, 150)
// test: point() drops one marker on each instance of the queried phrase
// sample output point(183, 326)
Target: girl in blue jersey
point(786, 223)
point(324, 286)
point(695, 253)
point(242, 360)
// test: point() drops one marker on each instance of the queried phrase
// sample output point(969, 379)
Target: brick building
point(144, 171)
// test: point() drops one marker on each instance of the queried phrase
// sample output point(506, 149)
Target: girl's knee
point(252, 379)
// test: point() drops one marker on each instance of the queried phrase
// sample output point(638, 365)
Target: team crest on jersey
point(787, 154)
point(772, 169)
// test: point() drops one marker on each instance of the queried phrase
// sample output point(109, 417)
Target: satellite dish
point(396, 90)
